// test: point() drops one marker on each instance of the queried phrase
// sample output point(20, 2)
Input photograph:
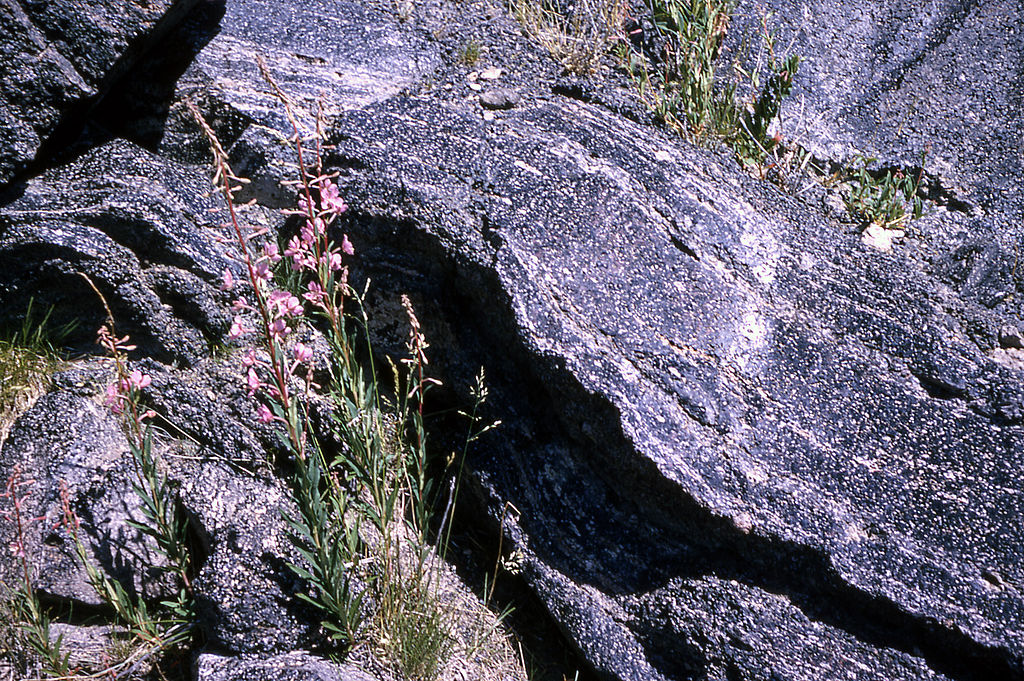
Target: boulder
point(59, 57)
point(740, 443)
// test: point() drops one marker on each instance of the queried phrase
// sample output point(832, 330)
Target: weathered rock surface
point(287, 667)
point(84, 450)
point(741, 444)
point(139, 227)
point(56, 58)
point(891, 79)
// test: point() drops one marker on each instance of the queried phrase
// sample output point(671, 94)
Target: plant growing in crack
point(155, 629)
point(886, 199)
point(27, 644)
point(682, 86)
point(363, 510)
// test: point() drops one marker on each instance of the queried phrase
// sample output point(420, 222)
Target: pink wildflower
point(278, 329)
point(113, 398)
point(332, 260)
point(139, 380)
point(252, 381)
point(307, 234)
point(227, 281)
point(262, 271)
point(303, 353)
point(284, 303)
point(271, 252)
point(237, 328)
point(249, 360)
point(331, 198)
point(294, 247)
point(263, 414)
point(292, 306)
point(315, 294)
point(346, 245)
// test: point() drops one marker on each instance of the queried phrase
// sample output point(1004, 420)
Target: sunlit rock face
point(737, 441)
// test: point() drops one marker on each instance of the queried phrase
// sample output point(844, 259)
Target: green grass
point(684, 87)
point(29, 353)
point(470, 53)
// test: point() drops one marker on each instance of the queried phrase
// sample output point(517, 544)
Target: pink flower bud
point(346, 245)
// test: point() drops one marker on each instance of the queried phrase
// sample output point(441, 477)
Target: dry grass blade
point(579, 36)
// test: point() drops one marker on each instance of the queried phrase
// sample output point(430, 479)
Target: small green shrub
point(888, 199)
point(686, 91)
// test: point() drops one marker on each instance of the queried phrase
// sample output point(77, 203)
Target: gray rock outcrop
point(57, 58)
point(741, 444)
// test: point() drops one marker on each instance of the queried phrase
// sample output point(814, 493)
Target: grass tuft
point(682, 85)
point(28, 354)
point(577, 35)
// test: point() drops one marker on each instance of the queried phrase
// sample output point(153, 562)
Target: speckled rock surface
point(139, 227)
point(740, 444)
point(288, 667)
point(58, 57)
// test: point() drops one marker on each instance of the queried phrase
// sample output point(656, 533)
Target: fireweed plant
point(155, 629)
point(26, 644)
point(165, 524)
point(363, 512)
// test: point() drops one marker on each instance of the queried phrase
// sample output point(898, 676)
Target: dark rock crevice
point(680, 531)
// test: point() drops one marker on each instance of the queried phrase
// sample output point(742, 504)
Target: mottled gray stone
point(297, 666)
point(139, 227)
point(741, 444)
point(498, 98)
point(56, 58)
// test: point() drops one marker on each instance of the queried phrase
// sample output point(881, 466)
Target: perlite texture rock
point(740, 443)
point(57, 58)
